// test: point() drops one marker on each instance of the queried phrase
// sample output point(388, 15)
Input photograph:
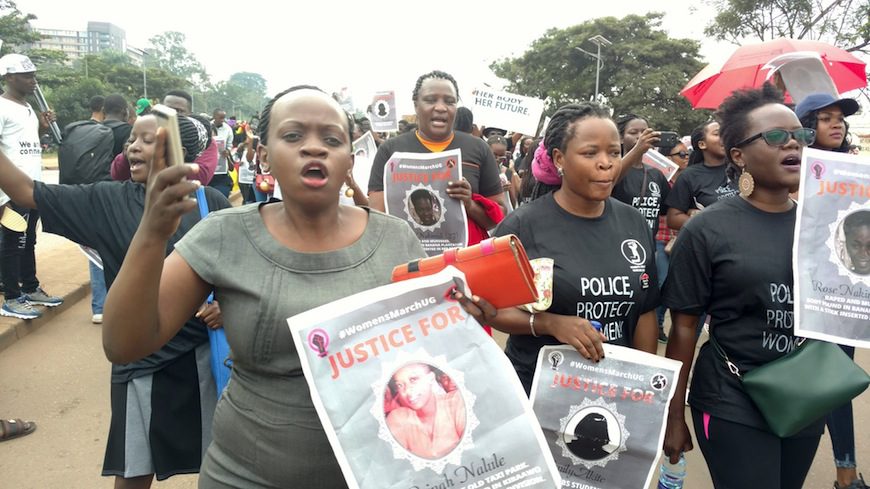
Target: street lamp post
point(144, 76)
point(599, 41)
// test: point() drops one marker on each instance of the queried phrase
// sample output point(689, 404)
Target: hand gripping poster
point(832, 249)
point(605, 422)
point(415, 189)
point(413, 394)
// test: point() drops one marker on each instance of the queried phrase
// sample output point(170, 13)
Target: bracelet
point(532, 324)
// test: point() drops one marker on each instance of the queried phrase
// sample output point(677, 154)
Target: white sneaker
point(97, 319)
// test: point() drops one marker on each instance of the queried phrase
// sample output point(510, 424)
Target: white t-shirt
point(246, 170)
point(223, 140)
point(19, 137)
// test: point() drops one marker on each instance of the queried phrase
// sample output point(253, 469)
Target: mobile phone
point(668, 139)
point(167, 118)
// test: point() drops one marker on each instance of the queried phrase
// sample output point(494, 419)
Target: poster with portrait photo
point(415, 189)
point(383, 112)
point(413, 393)
point(832, 249)
point(604, 422)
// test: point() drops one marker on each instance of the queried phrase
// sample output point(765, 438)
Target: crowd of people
point(628, 245)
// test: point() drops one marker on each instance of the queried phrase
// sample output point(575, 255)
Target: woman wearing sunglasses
point(679, 154)
point(734, 261)
point(827, 115)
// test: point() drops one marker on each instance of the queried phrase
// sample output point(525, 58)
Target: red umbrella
point(746, 69)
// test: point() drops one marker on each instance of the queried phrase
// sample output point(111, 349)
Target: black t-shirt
point(121, 133)
point(104, 216)
point(478, 163)
point(700, 184)
point(645, 189)
point(735, 262)
point(604, 270)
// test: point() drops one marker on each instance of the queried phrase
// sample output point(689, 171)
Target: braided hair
point(438, 75)
point(699, 133)
point(464, 121)
point(561, 127)
point(266, 114)
point(559, 132)
point(811, 120)
point(195, 135)
point(734, 114)
point(623, 120)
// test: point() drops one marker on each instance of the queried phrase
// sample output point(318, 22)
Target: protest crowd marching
point(653, 238)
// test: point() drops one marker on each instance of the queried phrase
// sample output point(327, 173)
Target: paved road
point(58, 376)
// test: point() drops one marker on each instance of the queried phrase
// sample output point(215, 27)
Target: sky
point(363, 45)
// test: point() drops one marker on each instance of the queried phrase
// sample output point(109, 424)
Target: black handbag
point(797, 389)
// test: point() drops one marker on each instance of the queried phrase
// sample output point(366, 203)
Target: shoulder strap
point(732, 367)
point(201, 202)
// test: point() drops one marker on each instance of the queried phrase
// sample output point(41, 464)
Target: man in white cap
point(20, 127)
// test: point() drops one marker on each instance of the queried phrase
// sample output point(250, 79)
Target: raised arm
point(16, 184)
point(150, 299)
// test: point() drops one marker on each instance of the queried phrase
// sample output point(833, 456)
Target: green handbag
point(793, 391)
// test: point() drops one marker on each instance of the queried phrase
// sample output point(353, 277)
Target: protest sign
point(506, 110)
point(605, 422)
point(383, 112)
point(364, 150)
point(661, 163)
point(413, 393)
point(415, 189)
point(832, 250)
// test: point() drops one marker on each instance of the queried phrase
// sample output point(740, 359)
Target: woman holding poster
point(604, 268)
point(734, 261)
point(287, 257)
point(827, 116)
point(436, 96)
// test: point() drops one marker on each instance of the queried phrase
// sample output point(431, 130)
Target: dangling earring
point(349, 193)
point(561, 172)
point(746, 184)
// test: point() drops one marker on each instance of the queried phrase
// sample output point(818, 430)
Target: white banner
point(506, 110)
point(832, 249)
point(605, 422)
point(412, 393)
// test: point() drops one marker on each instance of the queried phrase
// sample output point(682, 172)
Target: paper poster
point(832, 250)
point(383, 108)
point(415, 189)
point(506, 110)
point(661, 163)
point(364, 150)
point(413, 393)
point(604, 422)
point(221, 168)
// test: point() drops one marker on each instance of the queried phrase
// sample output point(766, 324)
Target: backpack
point(85, 155)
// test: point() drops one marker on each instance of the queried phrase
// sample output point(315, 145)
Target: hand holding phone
point(167, 118)
point(668, 139)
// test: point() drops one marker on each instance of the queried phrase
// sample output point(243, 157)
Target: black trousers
point(742, 457)
point(17, 258)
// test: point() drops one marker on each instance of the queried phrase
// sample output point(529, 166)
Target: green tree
point(169, 53)
point(69, 87)
point(15, 30)
point(643, 70)
point(843, 23)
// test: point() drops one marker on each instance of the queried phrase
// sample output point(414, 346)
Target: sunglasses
point(681, 154)
point(781, 137)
